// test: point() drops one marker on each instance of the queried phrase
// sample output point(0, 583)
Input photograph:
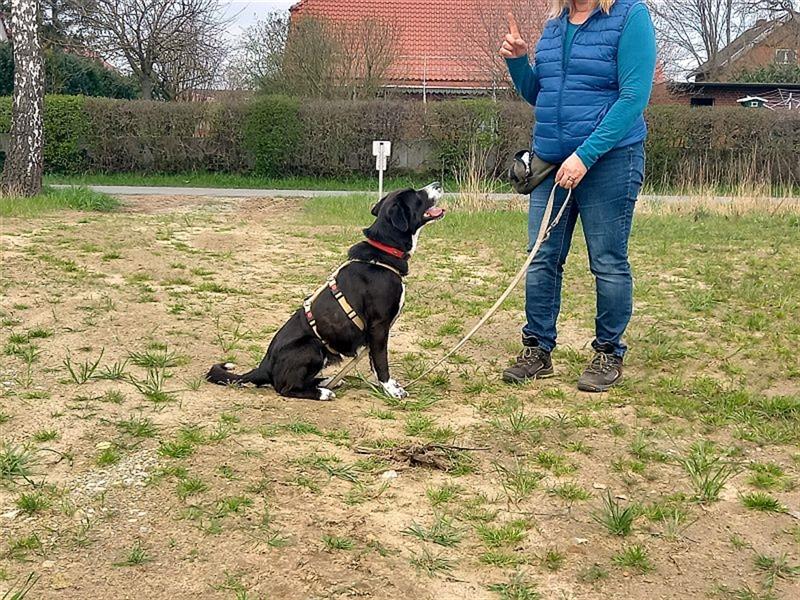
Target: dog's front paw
point(326, 383)
point(325, 394)
point(393, 389)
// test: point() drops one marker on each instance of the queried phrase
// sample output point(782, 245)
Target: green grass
point(52, 199)
point(333, 542)
point(234, 181)
point(618, 520)
point(16, 462)
point(443, 532)
point(350, 183)
point(762, 502)
point(634, 557)
point(432, 564)
point(518, 587)
point(33, 503)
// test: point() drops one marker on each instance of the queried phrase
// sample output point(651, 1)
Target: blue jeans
point(604, 200)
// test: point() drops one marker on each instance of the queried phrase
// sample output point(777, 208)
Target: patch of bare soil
point(155, 484)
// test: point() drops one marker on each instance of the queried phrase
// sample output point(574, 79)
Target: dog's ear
point(399, 216)
point(377, 208)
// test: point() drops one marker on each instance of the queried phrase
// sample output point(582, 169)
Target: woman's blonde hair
point(558, 6)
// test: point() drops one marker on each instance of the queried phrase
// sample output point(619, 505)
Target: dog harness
point(338, 295)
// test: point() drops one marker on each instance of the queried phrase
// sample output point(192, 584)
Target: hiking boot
point(603, 373)
point(532, 363)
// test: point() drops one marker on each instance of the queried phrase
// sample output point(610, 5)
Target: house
point(763, 62)
point(442, 46)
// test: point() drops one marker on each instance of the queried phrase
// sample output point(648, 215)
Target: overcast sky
point(246, 12)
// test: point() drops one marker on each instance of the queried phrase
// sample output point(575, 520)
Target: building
point(443, 46)
point(743, 69)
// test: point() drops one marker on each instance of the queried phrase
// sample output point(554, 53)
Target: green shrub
point(70, 74)
point(726, 146)
point(161, 137)
point(460, 127)
point(337, 135)
point(65, 128)
point(272, 133)
point(276, 135)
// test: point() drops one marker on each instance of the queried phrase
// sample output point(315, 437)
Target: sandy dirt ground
point(155, 484)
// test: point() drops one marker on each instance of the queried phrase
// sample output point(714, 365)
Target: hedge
point(283, 136)
point(66, 125)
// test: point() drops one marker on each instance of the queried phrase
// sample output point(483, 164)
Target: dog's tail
point(222, 374)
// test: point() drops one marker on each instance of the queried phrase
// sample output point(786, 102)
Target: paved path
point(124, 190)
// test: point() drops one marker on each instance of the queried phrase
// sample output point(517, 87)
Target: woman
point(590, 83)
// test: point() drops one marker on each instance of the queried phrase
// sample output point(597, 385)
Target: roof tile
point(444, 43)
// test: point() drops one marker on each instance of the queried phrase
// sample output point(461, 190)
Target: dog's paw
point(393, 389)
point(325, 394)
point(326, 383)
point(229, 366)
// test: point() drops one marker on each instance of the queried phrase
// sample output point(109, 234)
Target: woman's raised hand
point(513, 44)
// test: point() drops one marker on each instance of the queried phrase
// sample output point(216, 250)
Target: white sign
point(381, 150)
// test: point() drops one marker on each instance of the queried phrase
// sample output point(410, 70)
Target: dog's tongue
point(434, 213)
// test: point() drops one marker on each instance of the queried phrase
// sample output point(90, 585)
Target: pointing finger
point(513, 27)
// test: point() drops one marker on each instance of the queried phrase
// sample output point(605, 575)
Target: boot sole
point(597, 389)
point(545, 374)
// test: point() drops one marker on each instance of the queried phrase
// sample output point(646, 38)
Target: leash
point(545, 229)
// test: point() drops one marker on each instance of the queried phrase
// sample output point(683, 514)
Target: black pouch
point(527, 171)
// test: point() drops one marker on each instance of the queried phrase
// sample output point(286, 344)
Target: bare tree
point(22, 173)
point(167, 44)
point(772, 9)
point(366, 52)
point(257, 59)
point(493, 18)
point(61, 24)
point(327, 59)
point(309, 62)
point(692, 33)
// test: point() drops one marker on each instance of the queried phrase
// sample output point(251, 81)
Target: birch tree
point(22, 173)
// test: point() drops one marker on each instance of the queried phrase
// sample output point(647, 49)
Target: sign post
point(382, 151)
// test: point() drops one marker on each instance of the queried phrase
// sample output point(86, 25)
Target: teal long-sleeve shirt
point(636, 64)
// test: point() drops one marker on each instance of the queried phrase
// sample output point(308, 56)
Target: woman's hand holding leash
point(571, 173)
point(513, 44)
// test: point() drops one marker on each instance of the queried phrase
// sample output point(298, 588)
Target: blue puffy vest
point(575, 94)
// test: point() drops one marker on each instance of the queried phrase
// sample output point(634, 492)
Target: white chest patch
point(400, 306)
point(414, 241)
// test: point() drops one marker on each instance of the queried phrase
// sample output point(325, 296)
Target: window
point(702, 102)
point(785, 56)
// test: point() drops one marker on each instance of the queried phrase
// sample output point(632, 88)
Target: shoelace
point(529, 355)
point(601, 364)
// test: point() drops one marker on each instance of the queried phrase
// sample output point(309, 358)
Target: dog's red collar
point(391, 251)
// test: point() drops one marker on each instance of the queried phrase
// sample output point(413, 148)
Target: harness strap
point(348, 310)
point(332, 285)
point(378, 264)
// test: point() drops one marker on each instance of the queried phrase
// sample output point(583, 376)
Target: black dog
point(372, 286)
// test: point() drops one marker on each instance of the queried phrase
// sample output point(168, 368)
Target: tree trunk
point(146, 83)
point(22, 175)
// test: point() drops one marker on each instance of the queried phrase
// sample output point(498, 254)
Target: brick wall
point(763, 55)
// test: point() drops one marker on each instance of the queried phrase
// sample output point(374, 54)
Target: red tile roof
point(442, 43)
